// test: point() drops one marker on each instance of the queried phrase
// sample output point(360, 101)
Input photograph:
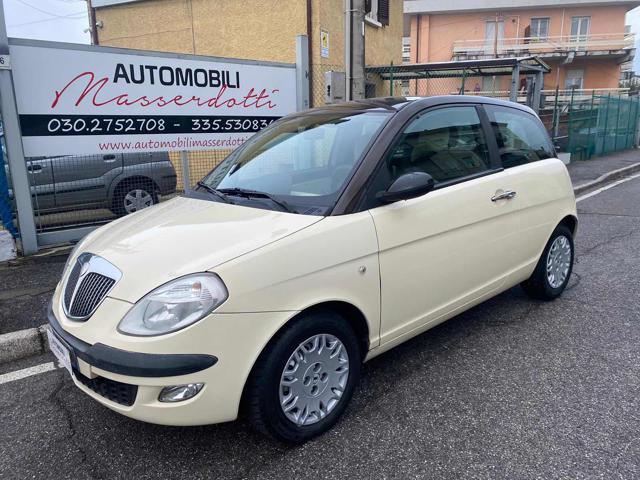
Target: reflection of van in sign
point(121, 182)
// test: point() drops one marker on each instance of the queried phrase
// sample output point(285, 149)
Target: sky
point(66, 21)
point(58, 20)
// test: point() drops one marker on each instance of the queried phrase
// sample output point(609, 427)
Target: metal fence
point(584, 123)
point(88, 190)
point(598, 125)
point(64, 194)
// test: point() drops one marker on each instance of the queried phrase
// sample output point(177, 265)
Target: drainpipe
point(347, 48)
point(93, 25)
point(357, 51)
point(310, 49)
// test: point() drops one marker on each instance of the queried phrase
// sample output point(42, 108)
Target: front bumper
point(127, 374)
point(132, 364)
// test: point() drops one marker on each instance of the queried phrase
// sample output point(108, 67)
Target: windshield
point(304, 161)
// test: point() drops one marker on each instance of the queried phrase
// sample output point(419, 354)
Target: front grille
point(121, 393)
point(71, 284)
point(93, 287)
point(90, 280)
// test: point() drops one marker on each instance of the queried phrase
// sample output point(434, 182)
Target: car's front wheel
point(305, 378)
point(554, 268)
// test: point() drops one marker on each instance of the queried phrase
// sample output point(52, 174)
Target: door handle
point(506, 195)
point(34, 168)
point(109, 158)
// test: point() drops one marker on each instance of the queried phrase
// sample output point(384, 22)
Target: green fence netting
point(600, 125)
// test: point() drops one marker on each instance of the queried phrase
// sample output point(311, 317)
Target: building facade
point(583, 41)
point(251, 29)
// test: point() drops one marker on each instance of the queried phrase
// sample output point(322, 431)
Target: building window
point(377, 11)
point(580, 27)
point(539, 28)
point(574, 79)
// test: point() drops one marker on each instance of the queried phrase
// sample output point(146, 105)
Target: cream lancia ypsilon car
point(325, 240)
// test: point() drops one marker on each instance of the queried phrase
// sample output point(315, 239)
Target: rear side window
point(446, 143)
point(521, 137)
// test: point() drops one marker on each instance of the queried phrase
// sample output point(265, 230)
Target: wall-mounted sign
point(86, 100)
point(5, 62)
point(324, 44)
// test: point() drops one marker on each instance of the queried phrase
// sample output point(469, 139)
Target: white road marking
point(27, 372)
point(600, 190)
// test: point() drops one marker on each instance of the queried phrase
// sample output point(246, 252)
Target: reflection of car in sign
point(123, 183)
point(328, 238)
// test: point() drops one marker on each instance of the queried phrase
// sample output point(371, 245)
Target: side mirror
point(409, 185)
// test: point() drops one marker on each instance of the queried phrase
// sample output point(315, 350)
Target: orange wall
point(432, 37)
point(434, 40)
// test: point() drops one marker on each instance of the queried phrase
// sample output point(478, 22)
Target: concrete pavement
point(513, 388)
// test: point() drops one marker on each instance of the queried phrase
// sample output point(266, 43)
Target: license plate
point(59, 350)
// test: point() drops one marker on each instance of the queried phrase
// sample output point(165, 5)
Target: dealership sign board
point(90, 100)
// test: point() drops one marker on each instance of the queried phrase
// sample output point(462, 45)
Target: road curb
point(23, 344)
point(32, 341)
point(607, 178)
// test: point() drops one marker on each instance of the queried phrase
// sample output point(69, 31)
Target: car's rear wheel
point(132, 196)
point(554, 268)
point(305, 378)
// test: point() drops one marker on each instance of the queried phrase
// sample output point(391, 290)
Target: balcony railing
point(520, 46)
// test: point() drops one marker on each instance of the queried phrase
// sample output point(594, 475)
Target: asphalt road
point(511, 389)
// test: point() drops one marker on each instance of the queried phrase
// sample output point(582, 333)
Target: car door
point(534, 173)
point(81, 180)
point(452, 247)
point(41, 180)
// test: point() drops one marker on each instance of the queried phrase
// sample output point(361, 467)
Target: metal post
point(593, 95)
point(515, 83)
point(637, 123)
point(556, 115)
point(628, 129)
point(391, 79)
point(615, 133)
point(302, 72)
point(537, 89)
point(569, 133)
point(15, 154)
point(464, 76)
point(186, 170)
point(606, 121)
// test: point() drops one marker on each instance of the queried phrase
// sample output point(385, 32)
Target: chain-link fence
point(75, 191)
point(81, 190)
point(584, 123)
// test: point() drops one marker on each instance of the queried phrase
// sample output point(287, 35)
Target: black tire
point(127, 186)
point(538, 285)
point(262, 395)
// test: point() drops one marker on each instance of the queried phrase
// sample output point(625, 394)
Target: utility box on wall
point(334, 87)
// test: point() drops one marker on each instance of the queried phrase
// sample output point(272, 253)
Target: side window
point(521, 137)
point(447, 143)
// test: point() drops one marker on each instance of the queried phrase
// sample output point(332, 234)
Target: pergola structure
point(490, 67)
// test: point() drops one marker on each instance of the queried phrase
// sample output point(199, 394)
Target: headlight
point(175, 305)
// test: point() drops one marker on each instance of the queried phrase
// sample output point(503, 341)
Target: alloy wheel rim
point(314, 379)
point(558, 261)
point(137, 199)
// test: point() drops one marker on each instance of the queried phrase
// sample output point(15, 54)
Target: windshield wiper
point(215, 192)
point(245, 192)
